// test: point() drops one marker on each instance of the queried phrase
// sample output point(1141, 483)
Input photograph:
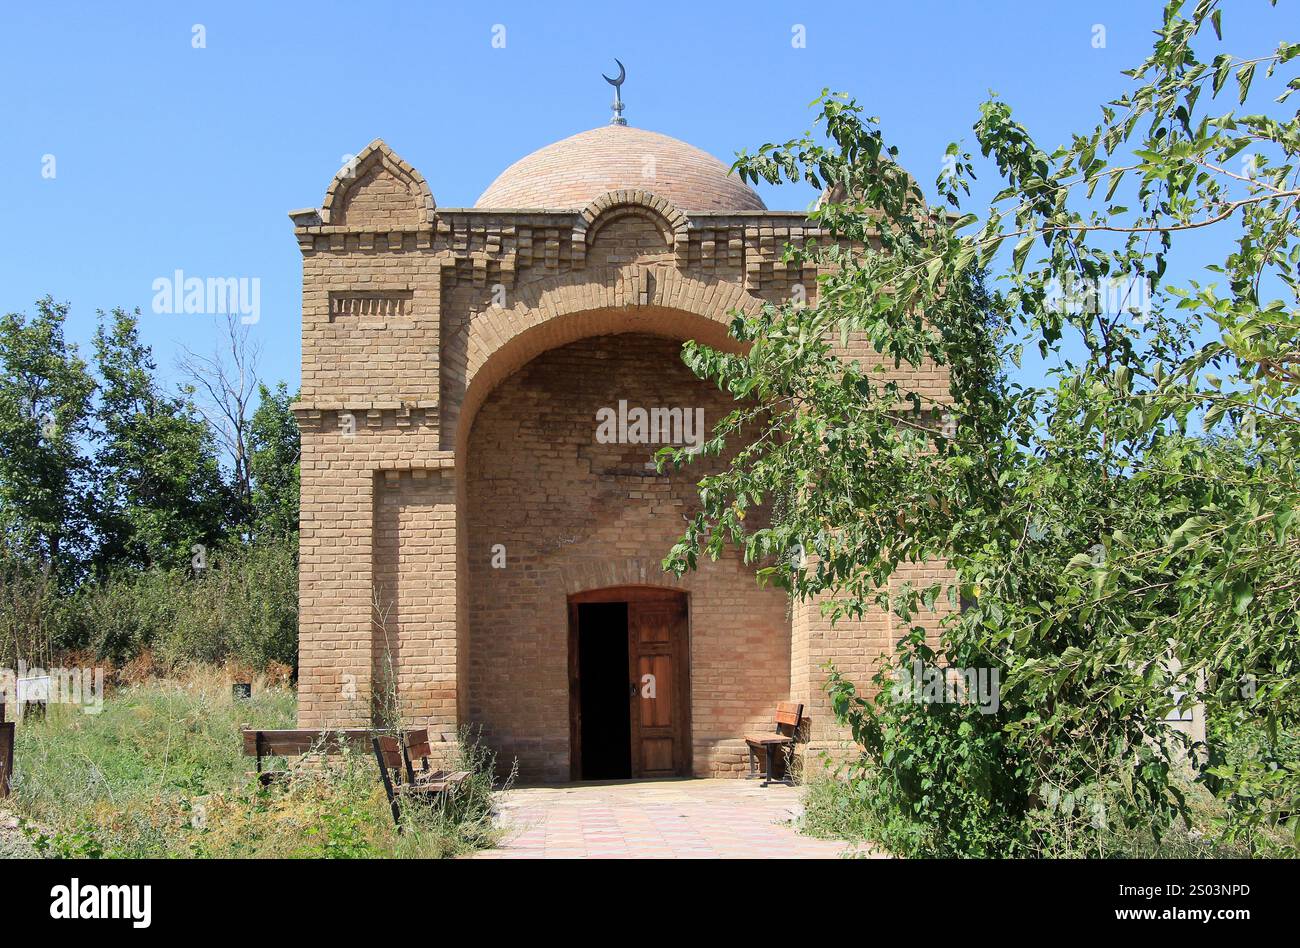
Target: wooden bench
point(788, 716)
point(401, 780)
point(295, 743)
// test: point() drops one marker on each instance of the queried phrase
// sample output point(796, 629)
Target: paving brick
point(663, 819)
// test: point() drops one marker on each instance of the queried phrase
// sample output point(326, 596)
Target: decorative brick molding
point(316, 416)
point(375, 159)
point(380, 304)
point(613, 204)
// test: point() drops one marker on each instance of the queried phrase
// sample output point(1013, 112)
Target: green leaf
point(1222, 67)
point(1020, 252)
point(1244, 75)
point(1242, 595)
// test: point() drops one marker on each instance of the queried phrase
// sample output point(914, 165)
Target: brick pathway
point(656, 819)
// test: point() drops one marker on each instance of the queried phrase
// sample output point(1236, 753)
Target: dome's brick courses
point(569, 174)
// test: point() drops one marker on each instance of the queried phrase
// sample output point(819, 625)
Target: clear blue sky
point(170, 157)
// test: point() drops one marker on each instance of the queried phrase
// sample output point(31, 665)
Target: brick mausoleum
point(454, 365)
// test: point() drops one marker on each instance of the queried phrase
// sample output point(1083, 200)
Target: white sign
point(34, 690)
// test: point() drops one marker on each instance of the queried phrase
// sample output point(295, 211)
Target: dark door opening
point(604, 706)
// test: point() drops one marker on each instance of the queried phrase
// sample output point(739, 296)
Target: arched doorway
point(629, 683)
point(555, 505)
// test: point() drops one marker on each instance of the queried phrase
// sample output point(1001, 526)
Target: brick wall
point(351, 465)
point(414, 634)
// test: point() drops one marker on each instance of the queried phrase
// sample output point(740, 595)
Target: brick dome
point(571, 173)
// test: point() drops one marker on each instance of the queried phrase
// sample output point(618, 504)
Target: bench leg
point(770, 752)
point(388, 786)
point(787, 763)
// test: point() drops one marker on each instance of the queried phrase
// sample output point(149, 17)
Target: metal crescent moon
point(622, 74)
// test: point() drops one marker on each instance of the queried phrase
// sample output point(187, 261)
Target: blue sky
point(170, 157)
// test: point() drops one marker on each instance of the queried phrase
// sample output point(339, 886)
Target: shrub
point(32, 615)
point(242, 606)
point(935, 780)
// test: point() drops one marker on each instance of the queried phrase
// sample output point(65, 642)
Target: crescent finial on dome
point(618, 96)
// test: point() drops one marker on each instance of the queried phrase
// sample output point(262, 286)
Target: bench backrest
point(291, 743)
point(399, 755)
point(788, 716)
point(417, 743)
point(390, 751)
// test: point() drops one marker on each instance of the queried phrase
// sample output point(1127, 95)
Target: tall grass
point(160, 774)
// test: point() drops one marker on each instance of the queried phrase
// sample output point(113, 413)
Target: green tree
point(1124, 534)
point(45, 395)
point(274, 446)
point(161, 488)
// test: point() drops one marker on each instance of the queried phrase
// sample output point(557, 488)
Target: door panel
point(657, 757)
point(656, 708)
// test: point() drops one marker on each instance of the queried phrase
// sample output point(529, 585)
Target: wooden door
point(659, 686)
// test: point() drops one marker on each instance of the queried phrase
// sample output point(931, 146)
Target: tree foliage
point(274, 449)
point(1124, 532)
point(122, 529)
point(45, 398)
point(161, 489)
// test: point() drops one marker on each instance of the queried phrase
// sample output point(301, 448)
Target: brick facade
point(453, 362)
